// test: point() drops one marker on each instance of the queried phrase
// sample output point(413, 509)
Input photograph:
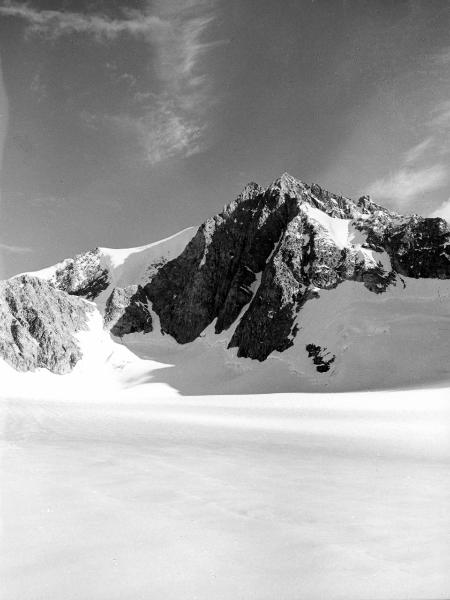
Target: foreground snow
point(151, 495)
point(127, 479)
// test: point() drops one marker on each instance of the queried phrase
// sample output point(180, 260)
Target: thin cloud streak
point(15, 249)
point(406, 184)
point(419, 150)
point(56, 23)
point(422, 167)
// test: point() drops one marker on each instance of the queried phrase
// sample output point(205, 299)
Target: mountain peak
point(285, 180)
point(287, 184)
point(265, 270)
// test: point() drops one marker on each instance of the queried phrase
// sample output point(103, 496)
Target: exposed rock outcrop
point(127, 311)
point(420, 247)
point(38, 323)
point(321, 358)
point(84, 275)
point(212, 277)
point(275, 249)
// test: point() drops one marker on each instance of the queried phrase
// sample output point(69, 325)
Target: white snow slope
point(149, 495)
point(170, 472)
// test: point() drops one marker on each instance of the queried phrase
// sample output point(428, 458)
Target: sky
point(122, 122)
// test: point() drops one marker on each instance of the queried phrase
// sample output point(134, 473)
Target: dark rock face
point(83, 275)
point(37, 323)
point(127, 311)
point(420, 248)
point(280, 238)
point(212, 276)
point(267, 324)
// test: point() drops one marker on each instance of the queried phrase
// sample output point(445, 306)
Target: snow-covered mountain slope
point(325, 292)
point(94, 274)
point(348, 339)
point(351, 339)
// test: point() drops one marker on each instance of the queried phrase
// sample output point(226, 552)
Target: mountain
point(290, 288)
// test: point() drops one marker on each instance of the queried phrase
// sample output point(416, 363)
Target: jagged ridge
point(252, 268)
point(296, 239)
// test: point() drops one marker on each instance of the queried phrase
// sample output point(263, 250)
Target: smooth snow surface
point(118, 256)
point(336, 229)
point(134, 260)
point(286, 497)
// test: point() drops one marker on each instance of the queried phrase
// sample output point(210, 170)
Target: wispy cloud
point(162, 132)
point(14, 249)
point(418, 151)
point(170, 118)
point(442, 211)
point(424, 166)
point(174, 123)
point(56, 23)
point(407, 183)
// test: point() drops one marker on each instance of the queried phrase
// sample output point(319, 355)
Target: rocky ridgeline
point(283, 236)
point(255, 265)
point(38, 323)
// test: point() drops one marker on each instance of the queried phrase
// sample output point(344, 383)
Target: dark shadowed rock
point(37, 325)
point(270, 250)
point(420, 247)
point(127, 311)
point(212, 276)
point(321, 358)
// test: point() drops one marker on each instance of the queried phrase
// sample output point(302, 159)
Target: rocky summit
point(248, 271)
point(272, 250)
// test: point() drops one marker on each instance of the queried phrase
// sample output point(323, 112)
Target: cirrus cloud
point(162, 132)
point(56, 23)
point(168, 117)
point(407, 183)
point(419, 150)
point(14, 249)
